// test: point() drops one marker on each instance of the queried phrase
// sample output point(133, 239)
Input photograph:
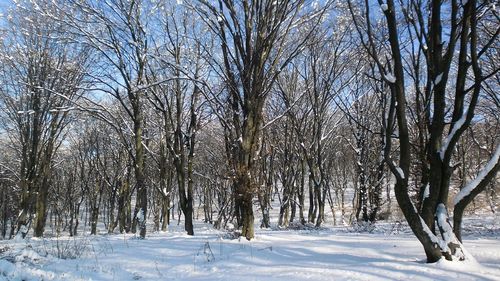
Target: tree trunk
point(284, 209)
point(94, 217)
point(312, 202)
point(165, 209)
point(319, 190)
point(375, 197)
point(482, 181)
point(41, 212)
point(124, 207)
point(264, 206)
point(301, 194)
point(247, 215)
point(189, 208)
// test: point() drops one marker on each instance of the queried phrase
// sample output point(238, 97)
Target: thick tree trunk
point(94, 217)
point(27, 204)
point(293, 207)
point(111, 215)
point(284, 209)
point(42, 196)
point(71, 221)
point(188, 215)
point(124, 207)
point(264, 206)
point(189, 212)
point(244, 197)
point(41, 212)
point(165, 209)
point(319, 189)
point(432, 250)
point(247, 216)
point(185, 201)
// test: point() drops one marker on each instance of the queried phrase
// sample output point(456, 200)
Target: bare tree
point(447, 115)
point(118, 32)
point(255, 46)
point(42, 76)
point(180, 65)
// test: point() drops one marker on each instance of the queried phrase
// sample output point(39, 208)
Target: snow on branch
point(400, 171)
point(438, 79)
point(432, 236)
point(62, 109)
point(456, 126)
point(464, 192)
point(389, 77)
point(448, 239)
point(443, 223)
point(426, 192)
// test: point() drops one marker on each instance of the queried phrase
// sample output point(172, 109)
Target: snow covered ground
point(388, 252)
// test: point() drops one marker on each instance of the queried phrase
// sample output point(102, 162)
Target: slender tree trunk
point(165, 208)
point(320, 195)
point(124, 207)
point(284, 208)
point(312, 201)
point(264, 206)
point(142, 192)
point(301, 191)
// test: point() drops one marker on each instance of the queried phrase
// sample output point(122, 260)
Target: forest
point(131, 116)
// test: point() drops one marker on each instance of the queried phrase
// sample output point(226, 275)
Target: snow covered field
point(389, 252)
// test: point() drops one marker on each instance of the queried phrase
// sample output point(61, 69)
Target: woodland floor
point(387, 252)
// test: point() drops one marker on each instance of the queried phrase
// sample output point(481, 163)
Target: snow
point(438, 79)
point(390, 78)
point(400, 172)
point(140, 215)
point(62, 109)
point(426, 191)
point(431, 235)
point(29, 112)
point(384, 8)
point(23, 229)
point(315, 5)
point(474, 183)
point(330, 253)
point(456, 126)
point(442, 220)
